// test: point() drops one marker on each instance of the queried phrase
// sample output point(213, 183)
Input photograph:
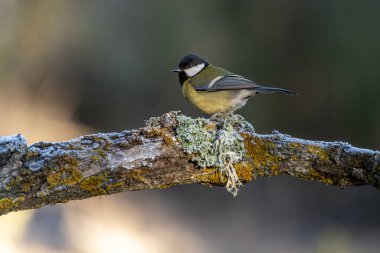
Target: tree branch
point(153, 158)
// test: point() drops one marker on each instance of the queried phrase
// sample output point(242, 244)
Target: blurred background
point(69, 68)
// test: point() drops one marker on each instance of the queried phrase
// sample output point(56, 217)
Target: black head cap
point(188, 61)
point(191, 60)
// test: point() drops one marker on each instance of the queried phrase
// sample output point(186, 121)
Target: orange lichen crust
point(160, 132)
point(244, 171)
point(213, 177)
point(263, 160)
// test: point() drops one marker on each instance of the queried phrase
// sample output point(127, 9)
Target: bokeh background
point(69, 68)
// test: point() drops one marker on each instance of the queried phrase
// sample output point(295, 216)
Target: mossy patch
point(320, 153)
point(244, 171)
point(64, 176)
point(140, 176)
point(19, 183)
point(31, 154)
point(261, 154)
point(64, 172)
point(6, 204)
point(115, 187)
point(101, 153)
point(95, 158)
point(212, 176)
point(20, 199)
point(94, 184)
point(294, 145)
point(313, 174)
point(26, 187)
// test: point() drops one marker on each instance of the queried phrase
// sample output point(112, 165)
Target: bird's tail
point(270, 90)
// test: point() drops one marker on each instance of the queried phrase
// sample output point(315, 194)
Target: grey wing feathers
point(228, 82)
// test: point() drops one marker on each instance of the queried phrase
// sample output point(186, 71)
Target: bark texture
point(153, 158)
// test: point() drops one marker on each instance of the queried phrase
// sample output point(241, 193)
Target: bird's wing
point(228, 82)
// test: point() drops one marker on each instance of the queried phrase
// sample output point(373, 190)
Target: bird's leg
point(214, 116)
point(237, 120)
point(220, 118)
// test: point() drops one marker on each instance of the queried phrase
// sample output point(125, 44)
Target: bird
point(214, 90)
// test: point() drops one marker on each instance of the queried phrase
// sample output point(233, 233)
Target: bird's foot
point(231, 120)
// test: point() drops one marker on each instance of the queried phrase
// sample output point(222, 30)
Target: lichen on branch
point(215, 144)
point(170, 150)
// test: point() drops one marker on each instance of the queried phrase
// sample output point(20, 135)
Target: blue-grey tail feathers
point(270, 90)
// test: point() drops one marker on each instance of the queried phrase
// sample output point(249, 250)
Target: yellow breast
point(209, 102)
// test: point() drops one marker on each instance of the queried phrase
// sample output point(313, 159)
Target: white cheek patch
point(190, 72)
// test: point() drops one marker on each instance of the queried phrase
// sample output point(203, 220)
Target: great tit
point(216, 91)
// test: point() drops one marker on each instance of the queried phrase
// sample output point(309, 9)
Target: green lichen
point(6, 204)
point(313, 174)
point(94, 184)
point(26, 187)
point(64, 172)
point(30, 154)
point(320, 153)
point(18, 182)
point(139, 175)
point(214, 144)
point(64, 176)
point(294, 145)
point(95, 158)
point(115, 186)
point(20, 199)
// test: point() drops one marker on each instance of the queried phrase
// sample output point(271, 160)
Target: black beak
point(176, 70)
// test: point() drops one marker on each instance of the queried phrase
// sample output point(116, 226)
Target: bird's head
point(189, 66)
